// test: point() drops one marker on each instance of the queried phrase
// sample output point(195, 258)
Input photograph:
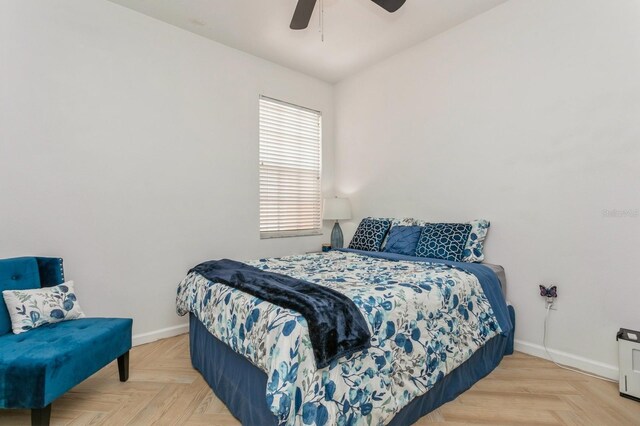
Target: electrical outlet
point(550, 293)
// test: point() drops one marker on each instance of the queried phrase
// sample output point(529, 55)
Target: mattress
point(499, 271)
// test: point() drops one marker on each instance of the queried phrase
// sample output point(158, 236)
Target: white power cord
point(544, 343)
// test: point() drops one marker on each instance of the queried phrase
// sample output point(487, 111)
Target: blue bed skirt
point(242, 386)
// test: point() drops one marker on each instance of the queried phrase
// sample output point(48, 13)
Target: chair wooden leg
point(41, 416)
point(123, 366)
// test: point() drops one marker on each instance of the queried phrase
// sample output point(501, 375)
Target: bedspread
point(335, 324)
point(425, 319)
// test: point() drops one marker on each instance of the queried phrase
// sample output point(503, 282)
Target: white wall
point(527, 115)
point(126, 147)
point(130, 148)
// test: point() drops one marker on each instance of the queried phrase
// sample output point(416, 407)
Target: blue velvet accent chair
point(38, 366)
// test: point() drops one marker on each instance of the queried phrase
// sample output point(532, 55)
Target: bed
point(436, 328)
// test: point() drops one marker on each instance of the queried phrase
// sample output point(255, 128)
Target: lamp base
point(337, 240)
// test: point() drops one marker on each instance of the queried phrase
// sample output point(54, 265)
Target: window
point(290, 158)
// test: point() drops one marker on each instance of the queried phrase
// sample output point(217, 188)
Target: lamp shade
point(336, 209)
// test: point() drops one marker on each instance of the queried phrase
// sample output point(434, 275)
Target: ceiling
point(357, 33)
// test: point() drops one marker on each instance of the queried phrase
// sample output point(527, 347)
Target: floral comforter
point(425, 320)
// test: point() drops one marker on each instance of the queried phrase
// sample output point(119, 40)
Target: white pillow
point(29, 309)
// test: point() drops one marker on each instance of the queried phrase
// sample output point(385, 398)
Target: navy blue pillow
point(403, 240)
point(443, 241)
point(370, 234)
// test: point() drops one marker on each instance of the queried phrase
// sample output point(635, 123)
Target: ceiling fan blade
point(389, 5)
point(302, 15)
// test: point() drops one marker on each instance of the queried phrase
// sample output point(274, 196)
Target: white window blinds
point(290, 160)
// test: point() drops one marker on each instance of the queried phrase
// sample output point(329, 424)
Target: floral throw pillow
point(474, 249)
point(29, 309)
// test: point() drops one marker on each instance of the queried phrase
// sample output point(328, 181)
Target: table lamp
point(336, 209)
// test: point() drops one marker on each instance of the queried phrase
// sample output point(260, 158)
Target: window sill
point(270, 235)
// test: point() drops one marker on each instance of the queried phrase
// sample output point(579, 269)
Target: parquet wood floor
point(164, 389)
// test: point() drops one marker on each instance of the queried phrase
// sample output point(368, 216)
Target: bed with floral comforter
point(426, 318)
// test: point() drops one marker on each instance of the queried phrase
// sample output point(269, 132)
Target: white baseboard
point(163, 333)
point(570, 360)
point(564, 358)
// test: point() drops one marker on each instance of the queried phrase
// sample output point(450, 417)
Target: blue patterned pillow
point(474, 248)
point(443, 241)
point(403, 240)
point(370, 234)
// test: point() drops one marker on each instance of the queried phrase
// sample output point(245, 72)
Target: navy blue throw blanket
point(336, 325)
